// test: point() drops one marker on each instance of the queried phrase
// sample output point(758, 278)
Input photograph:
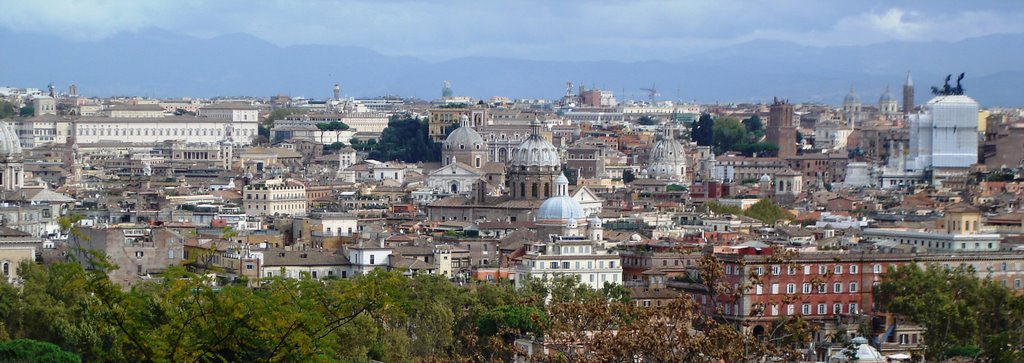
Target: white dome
point(464, 137)
point(535, 151)
point(595, 222)
point(10, 144)
point(560, 208)
point(765, 178)
point(668, 158)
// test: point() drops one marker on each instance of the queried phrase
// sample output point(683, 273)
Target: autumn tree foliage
point(383, 316)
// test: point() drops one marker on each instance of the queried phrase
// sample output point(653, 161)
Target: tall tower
point(851, 108)
point(908, 96)
point(781, 130)
point(337, 92)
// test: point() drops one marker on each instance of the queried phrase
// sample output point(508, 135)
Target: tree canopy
point(7, 110)
point(727, 132)
point(702, 131)
point(407, 140)
point(764, 210)
point(382, 316)
point(647, 120)
point(753, 124)
point(964, 315)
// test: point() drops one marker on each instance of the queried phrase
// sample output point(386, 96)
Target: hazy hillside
point(157, 63)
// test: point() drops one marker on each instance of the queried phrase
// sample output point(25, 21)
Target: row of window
point(793, 270)
point(276, 197)
point(808, 288)
point(565, 265)
point(157, 132)
point(805, 309)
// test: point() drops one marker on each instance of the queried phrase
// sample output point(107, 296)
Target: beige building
point(15, 246)
point(442, 119)
point(273, 197)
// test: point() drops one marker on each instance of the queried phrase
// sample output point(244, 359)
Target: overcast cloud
point(542, 29)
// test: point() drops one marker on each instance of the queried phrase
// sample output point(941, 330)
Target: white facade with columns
point(90, 130)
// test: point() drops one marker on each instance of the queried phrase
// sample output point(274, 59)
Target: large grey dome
point(668, 158)
point(535, 150)
point(10, 144)
point(464, 137)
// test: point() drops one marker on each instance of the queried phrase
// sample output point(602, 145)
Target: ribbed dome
point(10, 144)
point(464, 137)
point(560, 208)
point(668, 158)
point(535, 150)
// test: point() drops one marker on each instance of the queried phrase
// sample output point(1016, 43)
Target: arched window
point(7, 268)
point(533, 189)
point(522, 190)
point(547, 190)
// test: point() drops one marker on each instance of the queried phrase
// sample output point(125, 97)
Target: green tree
point(7, 110)
point(962, 313)
point(281, 113)
point(768, 212)
point(757, 149)
point(331, 126)
point(27, 111)
point(753, 124)
point(647, 120)
point(407, 140)
point(727, 132)
point(32, 351)
point(628, 176)
point(702, 131)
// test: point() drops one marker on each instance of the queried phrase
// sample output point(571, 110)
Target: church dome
point(10, 144)
point(561, 207)
point(886, 97)
point(535, 150)
point(464, 137)
point(851, 98)
point(668, 158)
point(765, 178)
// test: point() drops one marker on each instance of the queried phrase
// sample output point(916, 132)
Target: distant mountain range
point(157, 63)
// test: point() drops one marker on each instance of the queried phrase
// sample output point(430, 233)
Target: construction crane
point(651, 92)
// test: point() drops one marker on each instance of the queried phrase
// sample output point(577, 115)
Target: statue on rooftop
point(948, 90)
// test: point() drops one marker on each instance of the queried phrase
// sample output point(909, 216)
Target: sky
point(619, 30)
